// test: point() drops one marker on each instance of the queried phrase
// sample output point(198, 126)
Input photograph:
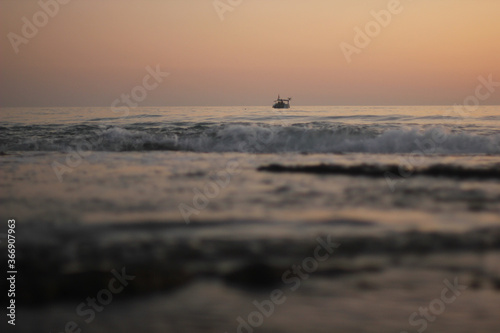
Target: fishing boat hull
point(281, 106)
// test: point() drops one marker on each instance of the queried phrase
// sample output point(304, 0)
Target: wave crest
point(257, 138)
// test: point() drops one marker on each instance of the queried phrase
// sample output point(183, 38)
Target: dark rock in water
point(361, 170)
point(255, 276)
point(375, 170)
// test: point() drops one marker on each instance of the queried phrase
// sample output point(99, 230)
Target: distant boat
point(282, 103)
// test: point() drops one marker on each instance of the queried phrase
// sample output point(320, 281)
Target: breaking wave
point(313, 137)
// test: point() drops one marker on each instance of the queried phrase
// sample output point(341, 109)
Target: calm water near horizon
point(178, 195)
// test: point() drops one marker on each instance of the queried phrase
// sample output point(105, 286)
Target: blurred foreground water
point(364, 219)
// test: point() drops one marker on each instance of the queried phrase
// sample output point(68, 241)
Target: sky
point(245, 52)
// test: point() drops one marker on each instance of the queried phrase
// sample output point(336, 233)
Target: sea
point(253, 219)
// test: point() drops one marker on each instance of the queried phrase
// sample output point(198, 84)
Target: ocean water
point(213, 208)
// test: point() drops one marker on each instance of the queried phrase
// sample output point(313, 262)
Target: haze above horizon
point(321, 52)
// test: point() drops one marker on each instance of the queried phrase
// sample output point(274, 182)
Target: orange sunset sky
point(92, 51)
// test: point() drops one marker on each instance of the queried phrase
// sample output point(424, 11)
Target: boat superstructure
point(282, 103)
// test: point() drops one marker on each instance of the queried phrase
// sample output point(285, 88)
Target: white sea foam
point(265, 138)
